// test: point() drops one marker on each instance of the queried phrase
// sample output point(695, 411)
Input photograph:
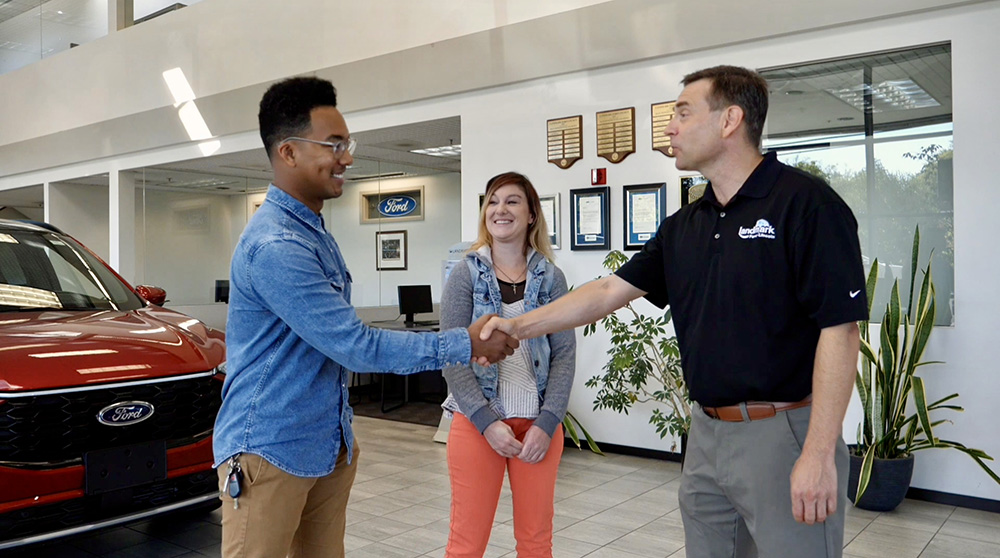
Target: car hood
point(57, 348)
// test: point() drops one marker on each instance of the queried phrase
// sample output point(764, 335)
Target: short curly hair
point(286, 107)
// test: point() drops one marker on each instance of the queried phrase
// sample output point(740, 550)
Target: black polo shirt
point(751, 284)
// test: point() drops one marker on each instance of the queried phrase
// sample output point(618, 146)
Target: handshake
point(494, 344)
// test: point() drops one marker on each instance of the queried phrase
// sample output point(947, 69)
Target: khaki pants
point(281, 514)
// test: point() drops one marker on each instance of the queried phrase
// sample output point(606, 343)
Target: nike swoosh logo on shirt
point(854, 294)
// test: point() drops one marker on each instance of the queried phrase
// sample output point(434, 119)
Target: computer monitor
point(414, 299)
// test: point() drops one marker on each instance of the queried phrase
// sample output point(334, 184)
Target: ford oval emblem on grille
point(125, 414)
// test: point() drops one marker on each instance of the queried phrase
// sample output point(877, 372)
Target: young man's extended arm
point(585, 305)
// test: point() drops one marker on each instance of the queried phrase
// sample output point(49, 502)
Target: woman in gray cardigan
point(507, 417)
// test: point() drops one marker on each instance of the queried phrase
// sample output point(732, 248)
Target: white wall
point(427, 240)
point(187, 243)
point(81, 211)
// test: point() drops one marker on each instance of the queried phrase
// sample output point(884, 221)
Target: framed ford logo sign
point(397, 206)
point(393, 205)
point(126, 413)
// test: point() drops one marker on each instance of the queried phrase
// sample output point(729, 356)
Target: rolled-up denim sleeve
point(288, 278)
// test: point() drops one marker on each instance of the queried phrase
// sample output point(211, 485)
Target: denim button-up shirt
point(291, 337)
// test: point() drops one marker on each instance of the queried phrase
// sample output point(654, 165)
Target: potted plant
point(570, 424)
point(889, 433)
point(645, 366)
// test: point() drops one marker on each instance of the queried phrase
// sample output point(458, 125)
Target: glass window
point(32, 29)
point(878, 128)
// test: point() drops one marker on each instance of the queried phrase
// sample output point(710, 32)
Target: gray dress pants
point(735, 494)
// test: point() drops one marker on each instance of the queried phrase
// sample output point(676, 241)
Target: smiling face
point(317, 173)
point(696, 129)
point(508, 215)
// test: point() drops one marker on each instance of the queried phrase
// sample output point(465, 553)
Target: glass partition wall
point(399, 214)
point(34, 29)
point(878, 128)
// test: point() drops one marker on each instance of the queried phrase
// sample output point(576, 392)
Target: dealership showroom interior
point(131, 162)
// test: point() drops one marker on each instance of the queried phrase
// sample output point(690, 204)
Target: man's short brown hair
point(732, 85)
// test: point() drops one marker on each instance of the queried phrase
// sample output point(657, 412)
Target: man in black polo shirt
point(765, 281)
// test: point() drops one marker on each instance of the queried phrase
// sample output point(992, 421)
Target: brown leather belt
point(756, 410)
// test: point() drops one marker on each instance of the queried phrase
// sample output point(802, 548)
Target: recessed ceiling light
point(454, 150)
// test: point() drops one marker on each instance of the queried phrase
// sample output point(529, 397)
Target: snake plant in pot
point(644, 366)
point(897, 412)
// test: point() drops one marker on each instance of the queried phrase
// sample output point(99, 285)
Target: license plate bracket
point(124, 467)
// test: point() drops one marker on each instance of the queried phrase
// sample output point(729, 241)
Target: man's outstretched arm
point(585, 305)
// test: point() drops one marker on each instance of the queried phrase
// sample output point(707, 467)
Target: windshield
point(43, 270)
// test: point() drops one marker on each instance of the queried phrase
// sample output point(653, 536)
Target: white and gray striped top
point(517, 388)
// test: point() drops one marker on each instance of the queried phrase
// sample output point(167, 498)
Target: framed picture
point(645, 205)
point(550, 209)
point(390, 250)
point(406, 204)
point(589, 219)
point(692, 188)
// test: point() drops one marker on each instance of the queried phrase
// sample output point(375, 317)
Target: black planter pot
point(887, 487)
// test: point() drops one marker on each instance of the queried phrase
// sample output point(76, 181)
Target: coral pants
point(476, 472)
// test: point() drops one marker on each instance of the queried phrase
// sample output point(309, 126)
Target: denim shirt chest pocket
point(335, 269)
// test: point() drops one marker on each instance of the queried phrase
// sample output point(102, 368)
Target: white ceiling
point(381, 152)
point(802, 104)
point(384, 152)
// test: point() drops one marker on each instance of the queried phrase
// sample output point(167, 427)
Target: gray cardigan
point(456, 311)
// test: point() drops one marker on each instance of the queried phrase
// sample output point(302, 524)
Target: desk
point(420, 326)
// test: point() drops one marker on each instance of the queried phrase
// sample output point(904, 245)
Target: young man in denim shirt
point(283, 444)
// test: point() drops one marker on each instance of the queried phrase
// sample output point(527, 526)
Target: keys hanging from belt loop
point(234, 481)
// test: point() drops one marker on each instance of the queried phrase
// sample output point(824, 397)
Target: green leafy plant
point(887, 380)
point(570, 424)
point(645, 366)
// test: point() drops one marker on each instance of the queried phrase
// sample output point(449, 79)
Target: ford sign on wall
point(397, 206)
point(124, 414)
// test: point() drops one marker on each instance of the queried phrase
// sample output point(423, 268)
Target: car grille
point(54, 517)
point(59, 428)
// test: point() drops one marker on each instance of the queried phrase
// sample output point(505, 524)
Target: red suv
point(107, 400)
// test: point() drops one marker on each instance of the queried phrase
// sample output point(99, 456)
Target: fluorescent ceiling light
point(443, 151)
point(899, 94)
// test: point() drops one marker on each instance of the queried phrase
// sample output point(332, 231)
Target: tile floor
point(606, 507)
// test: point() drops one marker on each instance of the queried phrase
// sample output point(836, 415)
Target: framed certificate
point(550, 209)
point(590, 219)
point(645, 205)
point(390, 250)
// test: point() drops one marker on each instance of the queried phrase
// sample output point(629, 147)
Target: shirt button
point(716, 236)
point(723, 214)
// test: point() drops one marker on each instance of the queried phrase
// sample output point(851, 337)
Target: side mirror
point(155, 295)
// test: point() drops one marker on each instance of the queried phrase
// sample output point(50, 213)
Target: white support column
point(121, 223)
point(121, 14)
point(46, 206)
